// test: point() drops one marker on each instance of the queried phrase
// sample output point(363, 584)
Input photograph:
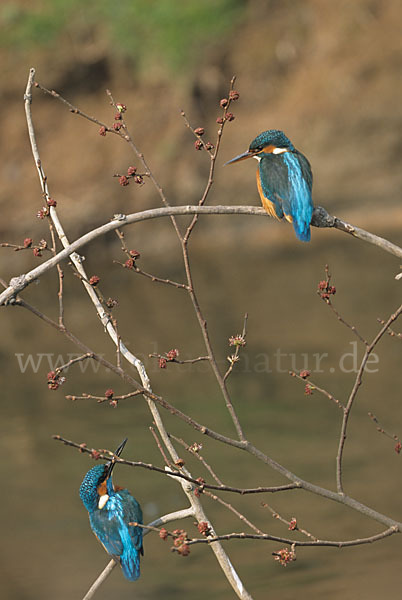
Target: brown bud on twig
point(94, 280)
point(129, 264)
point(284, 556)
point(203, 528)
point(172, 354)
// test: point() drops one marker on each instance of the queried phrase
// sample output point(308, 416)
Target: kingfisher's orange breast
point(266, 202)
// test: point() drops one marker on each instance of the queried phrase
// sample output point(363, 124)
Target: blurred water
point(44, 523)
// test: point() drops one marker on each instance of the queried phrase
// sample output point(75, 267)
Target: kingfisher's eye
point(256, 150)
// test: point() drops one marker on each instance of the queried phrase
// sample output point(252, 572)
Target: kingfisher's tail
point(302, 231)
point(130, 564)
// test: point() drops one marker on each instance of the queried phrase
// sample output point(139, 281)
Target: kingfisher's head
point(272, 141)
point(97, 485)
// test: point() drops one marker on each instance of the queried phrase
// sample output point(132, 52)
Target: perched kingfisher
point(284, 179)
point(111, 509)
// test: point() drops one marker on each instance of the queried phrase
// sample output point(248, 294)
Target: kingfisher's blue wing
point(107, 527)
point(298, 205)
point(131, 535)
point(305, 169)
point(132, 513)
point(120, 539)
point(286, 179)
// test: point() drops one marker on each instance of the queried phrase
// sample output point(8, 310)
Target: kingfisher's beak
point(113, 462)
point(243, 156)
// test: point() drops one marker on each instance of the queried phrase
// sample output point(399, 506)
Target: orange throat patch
point(102, 488)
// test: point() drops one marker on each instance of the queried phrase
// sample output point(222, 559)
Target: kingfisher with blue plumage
point(284, 180)
point(111, 510)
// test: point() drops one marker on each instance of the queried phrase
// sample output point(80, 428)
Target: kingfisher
point(111, 510)
point(284, 179)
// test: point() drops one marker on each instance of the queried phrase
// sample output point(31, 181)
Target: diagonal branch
point(109, 327)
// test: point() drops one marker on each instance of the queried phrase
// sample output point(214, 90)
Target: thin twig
point(325, 296)
point(59, 272)
point(292, 525)
point(213, 157)
point(266, 536)
point(187, 361)
point(342, 320)
point(101, 399)
point(233, 510)
point(132, 265)
point(105, 455)
point(161, 450)
point(391, 332)
point(392, 436)
point(315, 387)
point(205, 334)
point(235, 357)
point(352, 396)
point(128, 138)
point(190, 282)
point(194, 450)
point(154, 278)
point(72, 361)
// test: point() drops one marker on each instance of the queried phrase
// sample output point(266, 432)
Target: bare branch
point(194, 450)
point(18, 283)
point(266, 536)
point(292, 525)
point(102, 454)
point(322, 219)
point(239, 342)
point(234, 511)
point(221, 556)
point(358, 381)
point(315, 387)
